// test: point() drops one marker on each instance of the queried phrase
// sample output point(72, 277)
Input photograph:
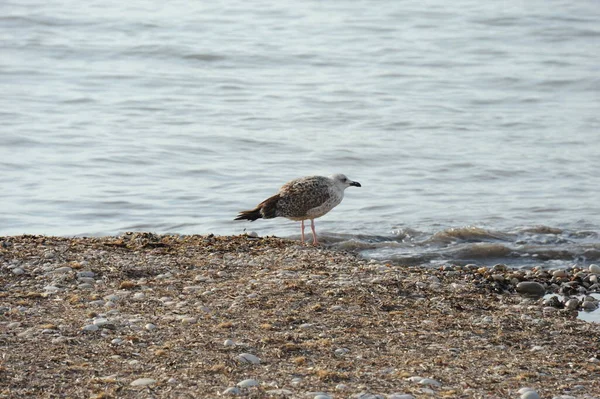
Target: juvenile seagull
point(301, 199)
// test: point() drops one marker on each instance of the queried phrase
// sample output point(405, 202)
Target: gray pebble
point(150, 327)
point(90, 328)
point(572, 304)
point(63, 270)
point(228, 342)
point(18, 271)
point(531, 288)
point(86, 274)
point(530, 395)
point(248, 358)
point(247, 383)
point(400, 396)
point(232, 391)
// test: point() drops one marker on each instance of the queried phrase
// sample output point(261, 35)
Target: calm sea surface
point(474, 127)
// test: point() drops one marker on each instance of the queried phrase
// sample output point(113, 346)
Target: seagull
point(301, 199)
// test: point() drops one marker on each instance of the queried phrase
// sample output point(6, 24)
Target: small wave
point(479, 250)
point(468, 233)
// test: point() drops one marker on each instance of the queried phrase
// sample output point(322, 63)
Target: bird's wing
point(299, 196)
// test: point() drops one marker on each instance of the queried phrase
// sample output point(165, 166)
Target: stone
point(431, 382)
point(400, 396)
point(530, 395)
point(90, 328)
point(150, 327)
point(228, 342)
point(86, 274)
point(594, 268)
point(62, 270)
point(248, 383)
point(142, 382)
point(531, 288)
point(248, 358)
point(232, 391)
point(572, 304)
point(18, 271)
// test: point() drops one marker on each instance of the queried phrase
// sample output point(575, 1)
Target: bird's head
point(343, 182)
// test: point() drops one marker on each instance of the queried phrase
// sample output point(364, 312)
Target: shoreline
point(194, 316)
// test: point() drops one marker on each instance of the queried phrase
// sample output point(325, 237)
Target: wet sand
point(180, 315)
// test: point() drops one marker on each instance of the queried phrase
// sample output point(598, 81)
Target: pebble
point(400, 396)
point(531, 288)
point(247, 383)
point(560, 273)
point(572, 304)
point(232, 391)
point(188, 320)
point(341, 351)
point(322, 396)
point(248, 358)
point(415, 378)
point(142, 382)
point(117, 341)
point(90, 328)
point(150, 327)
point(228, 342)
point(530, 395)
point(62, 270)
point(18, 271)
point(430, 381)
point(138, 296)
point(594, 268)
point(86, 274)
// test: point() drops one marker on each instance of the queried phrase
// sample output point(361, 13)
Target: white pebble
point(188, 320)
point(536, 348)
point(100, 321)
point(594, 268)
point(415, 378)
point(18, 271)
point(400, 396)
point(247, 383)
point(248, 358)
point(117, 341)
point(142, 382)
point(138, 296)
point(322, 396)
point(228, 342)
point(594, 360)
point(150, 327)
point(430, 381)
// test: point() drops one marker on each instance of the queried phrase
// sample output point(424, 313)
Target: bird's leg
point(302, 230)
point(312, 226)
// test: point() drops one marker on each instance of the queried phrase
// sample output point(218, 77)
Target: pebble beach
point(167, 316)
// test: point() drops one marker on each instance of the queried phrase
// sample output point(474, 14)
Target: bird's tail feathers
point(266, 209)
point(250, 215)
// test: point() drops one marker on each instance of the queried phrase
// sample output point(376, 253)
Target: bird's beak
point(355, 184)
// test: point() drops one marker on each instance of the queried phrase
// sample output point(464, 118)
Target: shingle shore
point(142, 315)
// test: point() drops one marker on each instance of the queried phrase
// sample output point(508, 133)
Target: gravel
point(317, 320)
